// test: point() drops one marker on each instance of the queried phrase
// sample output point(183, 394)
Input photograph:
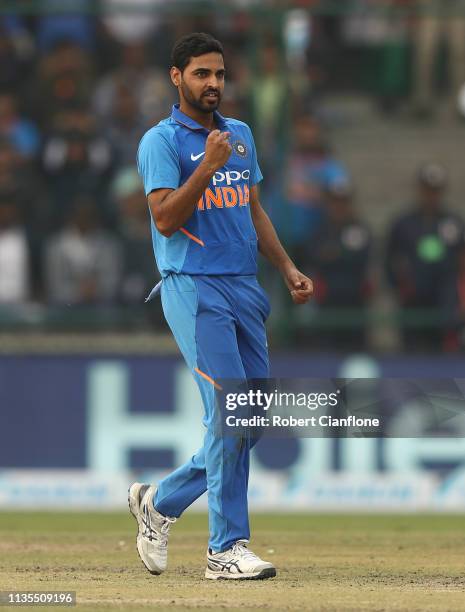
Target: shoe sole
point(133, 503)
point(269, 572)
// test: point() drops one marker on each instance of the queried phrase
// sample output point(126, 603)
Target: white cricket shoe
point(152, 536)
point(237, 563)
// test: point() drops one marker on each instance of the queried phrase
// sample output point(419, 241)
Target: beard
point(202, 104)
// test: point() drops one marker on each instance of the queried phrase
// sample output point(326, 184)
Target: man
point(421, 253)
point(83, 263)
point(311, 169)
point(200, 174)
point(437, 22)
point(338, 258)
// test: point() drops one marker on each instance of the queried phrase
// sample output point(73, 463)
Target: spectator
point(14, 253)
point(151, 86)
point(20, 132)
point(63, 80)
point(16, 50)
point(270, 105)
point(311, 170)
point(383, 39)
point(338, 259)
point(438, 19)
point(421, 253)
point(78, 27)
point(140, 273)
point(83, 261)
point(76, 158)
point(31, 194)
point(125, 127)
point(21, 178)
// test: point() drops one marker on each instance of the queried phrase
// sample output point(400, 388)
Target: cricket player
point(200, 175)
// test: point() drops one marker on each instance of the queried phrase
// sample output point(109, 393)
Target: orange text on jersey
point(224, 197)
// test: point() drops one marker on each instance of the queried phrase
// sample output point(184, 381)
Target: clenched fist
point(217, 149)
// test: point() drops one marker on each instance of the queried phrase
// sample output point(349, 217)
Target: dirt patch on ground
point(345, 564)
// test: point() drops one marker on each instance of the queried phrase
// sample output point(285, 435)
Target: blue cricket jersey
point(219, 237)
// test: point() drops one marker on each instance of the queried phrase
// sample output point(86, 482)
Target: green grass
point(331, 563)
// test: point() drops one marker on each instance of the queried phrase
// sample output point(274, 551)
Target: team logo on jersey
point(240, 148)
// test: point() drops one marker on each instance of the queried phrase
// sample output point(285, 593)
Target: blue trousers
point(219, 325)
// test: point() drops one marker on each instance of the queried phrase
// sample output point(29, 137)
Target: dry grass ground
point(325, 563)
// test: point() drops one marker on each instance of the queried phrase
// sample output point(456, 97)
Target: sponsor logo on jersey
point(230, 176)
point(226, 192)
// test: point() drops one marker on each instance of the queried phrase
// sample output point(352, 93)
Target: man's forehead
point(210, 61)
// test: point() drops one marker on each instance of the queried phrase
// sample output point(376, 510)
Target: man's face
point(430, 199)
point(308, 136)
point(201, 84)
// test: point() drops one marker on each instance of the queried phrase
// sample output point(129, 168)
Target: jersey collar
point(186, 121)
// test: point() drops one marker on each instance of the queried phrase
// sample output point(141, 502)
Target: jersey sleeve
point(158, 162)
point(255, 173)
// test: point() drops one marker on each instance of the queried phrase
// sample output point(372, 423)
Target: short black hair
point(194, 45)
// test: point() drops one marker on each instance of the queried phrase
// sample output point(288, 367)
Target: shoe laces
point(159, 532)
point(167, 522)
point(240, 547)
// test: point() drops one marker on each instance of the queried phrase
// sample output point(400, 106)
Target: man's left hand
point(300, 286)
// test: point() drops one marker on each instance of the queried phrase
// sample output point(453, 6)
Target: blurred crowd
point(77, 93)
point(423, 261)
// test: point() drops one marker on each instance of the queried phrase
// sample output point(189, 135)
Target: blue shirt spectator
point(311, 171)
point(78, 27)
point(21, 133)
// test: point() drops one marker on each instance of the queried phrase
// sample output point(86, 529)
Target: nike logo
point(196, 157)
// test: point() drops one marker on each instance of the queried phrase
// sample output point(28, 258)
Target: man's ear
point(175, 74)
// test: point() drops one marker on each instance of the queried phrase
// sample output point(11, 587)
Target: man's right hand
point(217, 150)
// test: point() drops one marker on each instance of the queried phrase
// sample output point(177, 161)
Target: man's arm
point(300, 286)
point(171, 208)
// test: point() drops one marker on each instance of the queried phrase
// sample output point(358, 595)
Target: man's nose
point(213, 82)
